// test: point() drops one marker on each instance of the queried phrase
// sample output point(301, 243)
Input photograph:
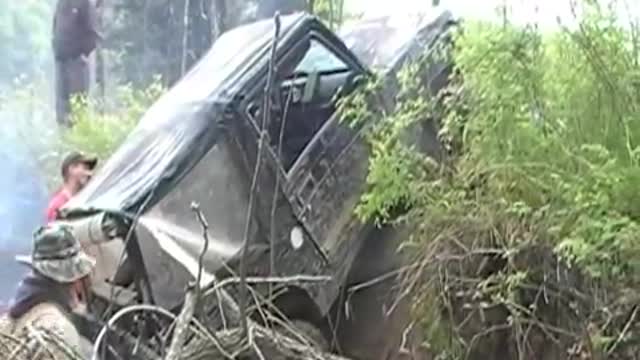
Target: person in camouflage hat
point(55, 287)
point(58, 256)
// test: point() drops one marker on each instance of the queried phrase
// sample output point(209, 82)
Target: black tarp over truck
point(199, 143)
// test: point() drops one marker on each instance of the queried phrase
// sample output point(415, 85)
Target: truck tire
point(308, 331)
point(366, 328)
point(312, 333)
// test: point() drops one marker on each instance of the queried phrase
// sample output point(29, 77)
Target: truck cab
point(288, 213)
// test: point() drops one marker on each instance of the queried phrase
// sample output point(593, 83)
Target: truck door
point(324, 160)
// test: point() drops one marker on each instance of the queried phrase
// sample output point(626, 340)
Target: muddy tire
point(310, 332)
point(306, 330)
point(370, 330)
point(303, 317)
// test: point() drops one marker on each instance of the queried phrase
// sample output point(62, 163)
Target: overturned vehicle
point(285, 214)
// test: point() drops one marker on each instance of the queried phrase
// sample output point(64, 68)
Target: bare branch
point(266, 113)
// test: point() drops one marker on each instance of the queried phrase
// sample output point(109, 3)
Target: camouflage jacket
point(43, 333)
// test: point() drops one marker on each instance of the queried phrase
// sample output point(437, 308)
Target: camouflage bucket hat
point(58, 255)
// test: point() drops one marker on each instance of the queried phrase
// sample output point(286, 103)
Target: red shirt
point(59, 199)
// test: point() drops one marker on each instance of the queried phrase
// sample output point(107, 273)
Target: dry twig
point(193, 294)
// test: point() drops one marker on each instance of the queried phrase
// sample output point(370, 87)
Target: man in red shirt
point(76, 173)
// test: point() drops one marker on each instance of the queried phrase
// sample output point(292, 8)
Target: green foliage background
point(25, 40)
point(100, 131)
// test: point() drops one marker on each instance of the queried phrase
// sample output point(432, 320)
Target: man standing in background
point(74, 38)
point(76, 172)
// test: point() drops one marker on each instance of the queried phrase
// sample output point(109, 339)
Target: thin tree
point(185, 38)
point(268, 8)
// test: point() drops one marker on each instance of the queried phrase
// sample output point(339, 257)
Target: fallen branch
point(182, 325)
point(36, 343)
point(273, 345)
point(625, 331)
point(295, 279)
point(193, 293)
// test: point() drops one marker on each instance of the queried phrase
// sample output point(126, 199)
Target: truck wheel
point(366, 328)
point(310, 332)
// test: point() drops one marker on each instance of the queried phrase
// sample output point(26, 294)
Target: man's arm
point(54, 205)
point(52, 213)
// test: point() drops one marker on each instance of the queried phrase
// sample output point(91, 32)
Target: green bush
point(29, 119)
point(100, 128)
point(538, 200)
point(552, 125)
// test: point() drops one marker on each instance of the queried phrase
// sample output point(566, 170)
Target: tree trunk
point(268, 8)
point(72, 80)
point(100, 67)
point(198, 34)
point(200, 31)
point(185, 38)
point(218, 18)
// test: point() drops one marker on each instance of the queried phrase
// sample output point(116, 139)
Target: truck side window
point(305, 99)
point(320, 59)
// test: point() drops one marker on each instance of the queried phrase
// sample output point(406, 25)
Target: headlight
point(96, 229)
